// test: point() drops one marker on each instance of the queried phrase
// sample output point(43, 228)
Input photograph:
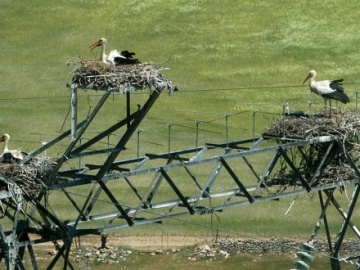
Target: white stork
point(327, 89)
point(114, 58)
point(10, 155)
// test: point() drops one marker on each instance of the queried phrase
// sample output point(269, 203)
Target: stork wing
point(337, 85)
point(114, 54)
point(323, 87)
point(127, 54)
point(339, 81)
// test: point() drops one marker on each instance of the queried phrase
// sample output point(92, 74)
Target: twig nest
point(30, 177)
point(331, 158)
point(346, 125)
point(94, 74)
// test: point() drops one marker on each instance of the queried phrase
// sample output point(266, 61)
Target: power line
point(36, 97)
point(250, 88)
point(181, 91)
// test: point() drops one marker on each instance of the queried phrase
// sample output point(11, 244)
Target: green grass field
point(229, 57)
point(248, 56)
point(233, 58)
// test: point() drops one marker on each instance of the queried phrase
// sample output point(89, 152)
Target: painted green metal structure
point(157, 187)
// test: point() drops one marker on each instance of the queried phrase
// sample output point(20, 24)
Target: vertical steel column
point(197, 134)
point(82, 130)
point(309, 104)
point(138, 144)
point(169, 136)
point(285, 107)
point(12, 259)
point(73, 112)
point(128, 107)
point(254, 124)
point(227, 129)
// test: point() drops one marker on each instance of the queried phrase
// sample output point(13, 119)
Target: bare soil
point(147, 243)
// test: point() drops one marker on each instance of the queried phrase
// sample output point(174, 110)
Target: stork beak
point(307, 77)
point(96, 44)
point(2, 139)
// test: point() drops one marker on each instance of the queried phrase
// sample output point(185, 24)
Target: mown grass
point(243, 56)
point(181, 261)
point(235, 46)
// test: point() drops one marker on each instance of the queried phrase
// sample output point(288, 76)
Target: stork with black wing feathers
point(328, 90)
point(115, 57)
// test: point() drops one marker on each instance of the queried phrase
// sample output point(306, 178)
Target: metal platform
point(116, 193)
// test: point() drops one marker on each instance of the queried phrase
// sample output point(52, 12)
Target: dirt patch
point(143, 243)
point(154, 242)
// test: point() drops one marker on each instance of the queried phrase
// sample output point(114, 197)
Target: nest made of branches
point(336, 167)
point(94, 74)
point(30, 177)
point(345, 125)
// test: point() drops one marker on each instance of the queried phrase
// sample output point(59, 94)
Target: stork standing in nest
point(115, 58)
point(328, 90)
point(10, 156)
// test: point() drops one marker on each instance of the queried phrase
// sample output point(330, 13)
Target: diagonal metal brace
point(177, 191)
point(351, 205)
point(236, 179)
point(116, 203)
point(105, 133)
point(287, 159)
point(321, 163)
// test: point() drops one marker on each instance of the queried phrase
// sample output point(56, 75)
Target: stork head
point(312, 74)
point(99, 43)
point(5, 137)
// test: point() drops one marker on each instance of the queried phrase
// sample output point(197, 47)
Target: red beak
point(307, 77)
point(96, 44)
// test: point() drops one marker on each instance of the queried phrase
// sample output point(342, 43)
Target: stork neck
point(102, 54)
point(311, 81)
point(6, 148)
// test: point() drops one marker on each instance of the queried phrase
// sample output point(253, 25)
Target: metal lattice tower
point(175, 182)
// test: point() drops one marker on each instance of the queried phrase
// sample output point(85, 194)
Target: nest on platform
point(329, 156)
point(345, 125)
point(30, 177)
point(94, 74)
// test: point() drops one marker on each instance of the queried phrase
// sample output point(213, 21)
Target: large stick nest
point(30, 177)
point(94, 74)
point(346, 125)
point(335, 167)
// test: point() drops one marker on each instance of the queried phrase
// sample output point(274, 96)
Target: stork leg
point(325, 108)
point(337, 107)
